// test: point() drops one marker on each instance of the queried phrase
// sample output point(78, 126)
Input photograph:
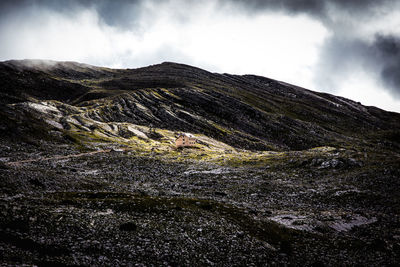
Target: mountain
point(248, 112)
point(90, 175)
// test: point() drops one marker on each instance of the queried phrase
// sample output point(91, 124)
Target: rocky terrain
point(90, 175)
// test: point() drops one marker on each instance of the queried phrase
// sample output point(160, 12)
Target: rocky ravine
point(89, 174)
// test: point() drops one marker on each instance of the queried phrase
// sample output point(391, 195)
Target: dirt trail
point(17, 163)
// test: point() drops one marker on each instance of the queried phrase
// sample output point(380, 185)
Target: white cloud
point(224, 40)
point(274, 45)
point(364, 88)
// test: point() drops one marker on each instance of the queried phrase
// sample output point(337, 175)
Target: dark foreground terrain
point(89, 174)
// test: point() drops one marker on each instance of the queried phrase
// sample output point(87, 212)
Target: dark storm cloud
point(318, 8)
point(122, 13)
point(10, 7)
point(340, 57)
point(388, 49)
point(309, 6)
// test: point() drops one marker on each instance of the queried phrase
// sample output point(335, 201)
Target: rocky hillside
point(248, 112)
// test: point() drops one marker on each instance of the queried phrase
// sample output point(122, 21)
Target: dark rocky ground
point(121, 208)
point(121, 201)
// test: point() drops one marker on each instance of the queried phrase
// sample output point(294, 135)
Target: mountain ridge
point(247, 111)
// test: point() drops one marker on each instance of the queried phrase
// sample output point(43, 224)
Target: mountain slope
point(249, 112)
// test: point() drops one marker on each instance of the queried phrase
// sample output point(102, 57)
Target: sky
point(349, 48)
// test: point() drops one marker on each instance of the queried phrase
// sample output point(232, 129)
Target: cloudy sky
point(345, 47)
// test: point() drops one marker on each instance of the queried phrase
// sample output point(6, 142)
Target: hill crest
point(248, 111)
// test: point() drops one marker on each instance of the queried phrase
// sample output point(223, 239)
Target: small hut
point(185, 140)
